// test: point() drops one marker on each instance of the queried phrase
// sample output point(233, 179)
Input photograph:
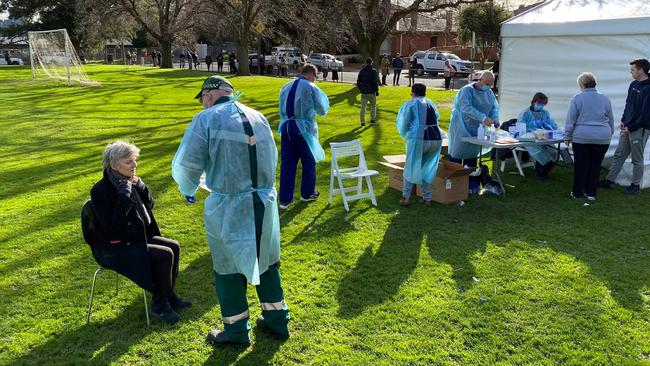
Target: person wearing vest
point(417, 123)
point(300, 101)
point(234, 146)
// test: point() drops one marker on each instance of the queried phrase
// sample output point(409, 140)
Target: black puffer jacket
point(121, 236)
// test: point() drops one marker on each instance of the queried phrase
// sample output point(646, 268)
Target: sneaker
point(168, 316)
point(605, 183)
point(190, 199)
point(405, 202)
point(572, 195)
point(591, 198)
point(632, 189)
point(363, 124)
point(261, 324)
point(284, 206)
point(426, 203)
point(217, 337)
point(314, 196)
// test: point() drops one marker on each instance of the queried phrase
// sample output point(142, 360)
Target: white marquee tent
point(545, 48)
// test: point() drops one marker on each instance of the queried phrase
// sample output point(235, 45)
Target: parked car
point(292, 54)
point(317, 60)
point(433, 62)
point(12, 61)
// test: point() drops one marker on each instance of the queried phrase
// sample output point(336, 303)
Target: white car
point(317, 60)
point(12, 61)
point(433, 62)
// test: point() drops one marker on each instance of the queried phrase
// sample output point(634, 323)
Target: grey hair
point(587, 80)
point(118, 150)
point(487, 73)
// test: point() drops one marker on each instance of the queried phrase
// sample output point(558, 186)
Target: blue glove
point(190, 199)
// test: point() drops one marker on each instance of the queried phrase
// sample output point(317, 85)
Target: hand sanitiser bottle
point(481, 132)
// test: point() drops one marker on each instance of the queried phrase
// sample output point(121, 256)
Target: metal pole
point(67, 56)
point(31, 54)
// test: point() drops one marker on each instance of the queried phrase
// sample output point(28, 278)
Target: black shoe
point(372, 122)
point(605, 183)
point(168, 316)
point(218, 337)
point(363, 124)
point(632, 189)
point(261, 324)
point(311, 198)
point(179, 303)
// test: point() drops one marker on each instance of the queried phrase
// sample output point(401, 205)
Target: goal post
point(51, 53)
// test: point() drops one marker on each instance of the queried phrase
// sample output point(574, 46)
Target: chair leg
point(359, 185)
point(146, 308)
point(518, 163)
point(331, 185)
point(92, 294)
point(372, 191)
point(503, 166)
point(342, 189)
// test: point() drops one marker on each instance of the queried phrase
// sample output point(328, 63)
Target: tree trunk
point(166, 54)
point(370, 47)
point(242, 56)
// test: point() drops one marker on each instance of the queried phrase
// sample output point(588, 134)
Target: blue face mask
point(538, 107)
point(485, 88)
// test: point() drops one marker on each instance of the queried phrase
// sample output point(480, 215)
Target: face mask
point(485, 88)
point(538, 107)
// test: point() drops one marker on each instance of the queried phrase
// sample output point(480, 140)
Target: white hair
point(118, 150)
point(487, 74)
point(587, 80)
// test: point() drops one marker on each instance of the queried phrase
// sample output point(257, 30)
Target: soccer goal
point(51, 53)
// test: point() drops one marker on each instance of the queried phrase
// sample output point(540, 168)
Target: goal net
point(52, 54)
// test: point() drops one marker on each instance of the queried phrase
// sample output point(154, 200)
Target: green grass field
point(563, 284)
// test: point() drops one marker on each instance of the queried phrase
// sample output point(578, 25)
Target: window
point(440, 57)
point(431, 56)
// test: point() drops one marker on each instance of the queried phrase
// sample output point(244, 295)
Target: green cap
point(215, 82)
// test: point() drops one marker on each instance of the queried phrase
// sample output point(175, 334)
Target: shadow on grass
point(103, 342)
point(378, 275)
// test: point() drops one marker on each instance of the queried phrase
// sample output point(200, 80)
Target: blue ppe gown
point(215, 143)
point(309, 101)
point(412, 125)
point(538, 120)
point(471, 107)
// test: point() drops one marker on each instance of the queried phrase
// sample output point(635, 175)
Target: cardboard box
point(450, 185)
point(395, 165)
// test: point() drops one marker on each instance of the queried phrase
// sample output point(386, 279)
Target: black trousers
point(396, 74)
point(447, 82)
point(383, 79)
point(164, 256)
point(586, 171)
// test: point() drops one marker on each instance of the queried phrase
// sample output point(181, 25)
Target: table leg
point(495, 171)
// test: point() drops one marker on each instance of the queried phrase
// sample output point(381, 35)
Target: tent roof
point(581, 17)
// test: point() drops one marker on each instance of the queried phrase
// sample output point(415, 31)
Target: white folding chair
point(516, 156)
point(350, 149)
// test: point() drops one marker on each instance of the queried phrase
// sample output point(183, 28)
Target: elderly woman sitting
point(128, 240)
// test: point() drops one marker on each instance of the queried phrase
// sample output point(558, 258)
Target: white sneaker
point(589, 198)
point(313, 197)
point(284, 206)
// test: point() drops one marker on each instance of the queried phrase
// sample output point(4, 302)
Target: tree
point(373, 20)
point(485, 21)
point(164, 20)
point(41, 15)
point(100, 20)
